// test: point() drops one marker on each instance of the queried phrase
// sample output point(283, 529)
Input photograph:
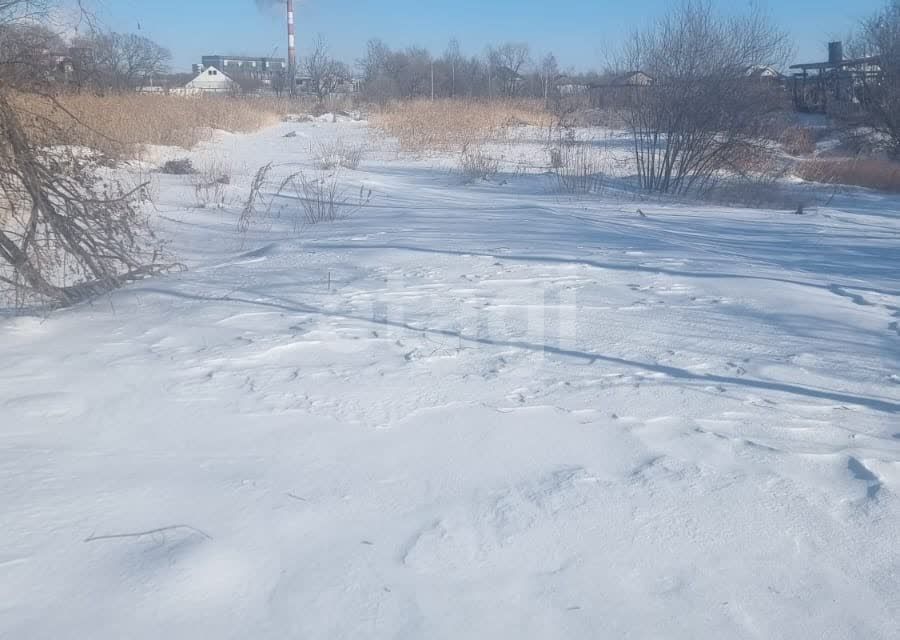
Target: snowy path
point(510, 415)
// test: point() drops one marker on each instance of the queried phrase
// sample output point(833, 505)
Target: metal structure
point(837, 86)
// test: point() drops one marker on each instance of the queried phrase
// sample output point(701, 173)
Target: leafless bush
point(880, 37)
point(310, 200)
point(179, 167)
point(695, 108)
point(323, 198)
point(65, 233)
point(578, 167)
point(211, 184)
point(476, 164)
point(338, 153)
point(797, 141)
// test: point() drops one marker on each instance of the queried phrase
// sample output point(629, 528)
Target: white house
point(211, 80)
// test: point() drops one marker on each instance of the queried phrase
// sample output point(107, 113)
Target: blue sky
point(579, 32)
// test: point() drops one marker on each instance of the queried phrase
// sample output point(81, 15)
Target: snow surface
point(473, 410)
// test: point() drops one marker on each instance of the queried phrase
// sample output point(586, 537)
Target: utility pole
point(453, 79)
point(432, 80)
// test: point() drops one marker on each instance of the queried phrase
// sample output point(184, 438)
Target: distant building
point(211, 80)
point(260, 68)
point(763, 72)
point(615, 91)
point(632, 79)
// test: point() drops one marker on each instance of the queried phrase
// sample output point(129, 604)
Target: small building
point(763, 72)
point(259, 67)
point(615, 91)
point(211, 80)
point(632, 79)
point(567, 86)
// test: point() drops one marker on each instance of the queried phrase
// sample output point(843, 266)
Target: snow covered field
point(473, 410)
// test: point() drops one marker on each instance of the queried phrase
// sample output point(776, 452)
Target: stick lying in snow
point(139, 534)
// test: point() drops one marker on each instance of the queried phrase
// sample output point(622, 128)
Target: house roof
point(763, 71)
point(210, 76)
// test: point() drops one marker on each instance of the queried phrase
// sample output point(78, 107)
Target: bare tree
point(28, 53)
point(452, 60)
point(14, 10)
point(692, 107)
point(549, 75)
point(120, 62)
point(325, 74)
point(880, 38)
point(507, 63)
point(66, 232)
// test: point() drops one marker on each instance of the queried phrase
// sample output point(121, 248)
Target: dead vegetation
point(120, 125)
point(300, 199)
point(798, 141)
point(67, 232)
point(871, 173)
point(475, 163)
point(338, 153)
point(322, 198)
point(452, 125)
point(579, 167)
point(211, 182)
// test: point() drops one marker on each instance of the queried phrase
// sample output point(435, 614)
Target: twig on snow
point(151, 532)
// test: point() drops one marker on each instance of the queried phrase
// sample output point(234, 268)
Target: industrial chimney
point(292, 45)
point(835, 53)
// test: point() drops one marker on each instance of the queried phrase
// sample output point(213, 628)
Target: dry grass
point(476, 164)
point(338, 153)
point(453, 125)
point(119, 125)
point(797, 141)
point(872, 173)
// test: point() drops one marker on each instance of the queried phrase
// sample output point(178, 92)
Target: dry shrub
point(118, 125)
point(452, 125)
point(797, 141)
point(338, 153)
point(475, 164)
point(578, 167)
point(178, 167)
point(323, 198)
point(310, 200)
point(872, 173)
point(211, 183)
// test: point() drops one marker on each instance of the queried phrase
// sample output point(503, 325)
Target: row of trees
point(106, 61)
point(508, 70)
point(109, 61)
